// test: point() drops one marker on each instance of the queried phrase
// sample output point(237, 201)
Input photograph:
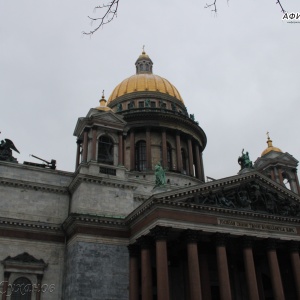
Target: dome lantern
point(144, 64)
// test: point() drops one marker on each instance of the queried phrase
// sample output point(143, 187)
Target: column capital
point(134, 250)
point(221, 238)
point(191, 236)
point(160, 232)
point(247, 241)
point(145, 241)
point(6, 275)
point(86, 129)
point(271, 244)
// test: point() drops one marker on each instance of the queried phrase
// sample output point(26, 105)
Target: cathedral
point(137, 218)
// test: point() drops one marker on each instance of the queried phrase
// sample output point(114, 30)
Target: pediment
point(251, 192)
point(96, 117)
point(106, 116)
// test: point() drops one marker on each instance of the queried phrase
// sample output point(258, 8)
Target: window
point(140, 156)
point(105, 150)
point(21, 290)
point(169, 156)
point(153, 104)
point(141, 104)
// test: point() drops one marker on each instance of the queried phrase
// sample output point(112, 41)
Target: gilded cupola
point(144, 81)
point(270, 147)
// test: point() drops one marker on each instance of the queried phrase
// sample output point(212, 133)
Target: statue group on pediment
point(249, 196)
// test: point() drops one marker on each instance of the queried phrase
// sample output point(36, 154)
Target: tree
point(109, 12)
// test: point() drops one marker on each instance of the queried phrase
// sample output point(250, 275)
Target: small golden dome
point(144, 82)
point(270, 147)
point(103, 102)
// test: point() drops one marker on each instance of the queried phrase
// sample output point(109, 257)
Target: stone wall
point(96, 271)
point(34, 194)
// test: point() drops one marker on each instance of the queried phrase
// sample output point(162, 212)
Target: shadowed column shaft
point(162, 270)
point(164, 148)
point(225, 291)
point(198, 163)
point(134, 278)
point(194, 272)
point(205, 279)
point(78, 154)
point(148, 149)
point(250, 273)
point(132, 151)
point(275, 275)
point(296, 269)
point(94, 143)
point(191, 160)
point(178, 153)
point(146, 274)
point(85, 146)
point(121, 152)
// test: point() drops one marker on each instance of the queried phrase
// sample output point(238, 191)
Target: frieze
point(257, 226)
point(252, 196)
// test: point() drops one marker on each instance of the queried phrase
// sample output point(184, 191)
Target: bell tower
point(280, 167)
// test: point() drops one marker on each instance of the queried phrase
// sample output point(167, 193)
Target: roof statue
point(160, 175)
point(6, 147)
point(244, 161)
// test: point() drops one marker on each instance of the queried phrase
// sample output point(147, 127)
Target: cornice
point(96, 225)
point(30, 225)
point(33, 186)
point(101, 180)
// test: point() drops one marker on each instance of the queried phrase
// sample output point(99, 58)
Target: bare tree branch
point(111, 8)
point(214, 5)
point(110, 12)
point(282, 10)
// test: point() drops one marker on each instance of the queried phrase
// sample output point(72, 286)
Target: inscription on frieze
point(257, 226)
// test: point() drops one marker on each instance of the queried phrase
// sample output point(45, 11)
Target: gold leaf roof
point(144, 82)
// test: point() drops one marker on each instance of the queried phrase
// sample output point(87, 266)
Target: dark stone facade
point(97, 271)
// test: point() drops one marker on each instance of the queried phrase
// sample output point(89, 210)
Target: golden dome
point(270, 147)
point(144, 82)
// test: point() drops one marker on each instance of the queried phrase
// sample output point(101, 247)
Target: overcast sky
point(237, 72)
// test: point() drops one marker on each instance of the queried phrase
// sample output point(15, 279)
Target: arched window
point(169, 156)
point(21, 289)
point(286, 180)
point(105, 150)
point(184, 164)
point(140, 156)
